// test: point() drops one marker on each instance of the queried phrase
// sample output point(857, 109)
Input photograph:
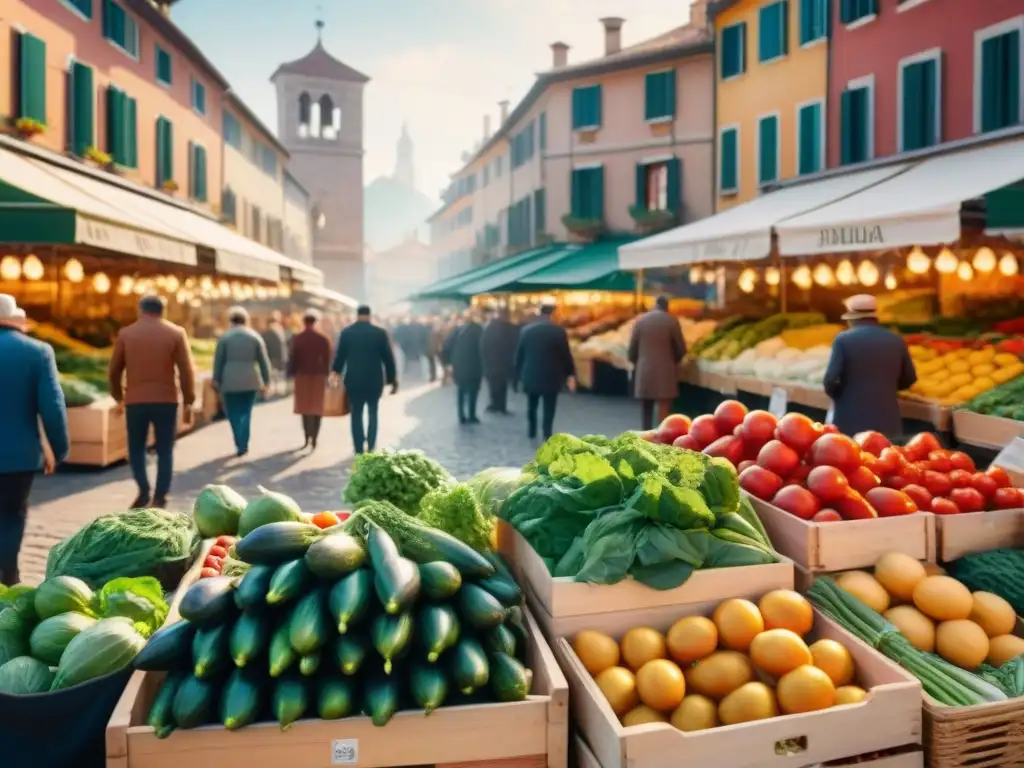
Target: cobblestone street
point(422, 416)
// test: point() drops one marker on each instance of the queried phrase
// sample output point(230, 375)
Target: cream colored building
point(298, 220)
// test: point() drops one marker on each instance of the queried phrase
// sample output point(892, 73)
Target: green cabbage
point(401, 477)
point(51, 636)
point(25, 675)
point(141, 600)
point(61, 595)
point(106, 647)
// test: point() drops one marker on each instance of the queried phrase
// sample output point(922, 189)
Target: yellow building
point(770, 82)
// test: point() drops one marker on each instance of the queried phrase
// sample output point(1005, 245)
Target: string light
point(918, 262)
point(1008, 266)
point(890, 281)
point(32, 268)
point(171, 283)
point(867, 273)
point(10, 268)
point(946, 262)
point(696, 275)
point(124, 285)
point(984, 260)
point(74, 271)
point(965, 271)
point(772, 276)
point(845, 273)
point(100, 282)
point(710, 276)
point(802, 277)
point(823, 275)
point(261, 292)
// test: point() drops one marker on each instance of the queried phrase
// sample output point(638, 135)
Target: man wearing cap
point(32, 393)
point(868, 369)
point(498, 349)
point(543, 366)
point(655, 348)
point(151, 359)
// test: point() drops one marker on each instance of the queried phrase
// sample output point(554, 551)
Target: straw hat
point(863, 306)
point(10, 313)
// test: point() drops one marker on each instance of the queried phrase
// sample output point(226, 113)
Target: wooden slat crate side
point(972, 532)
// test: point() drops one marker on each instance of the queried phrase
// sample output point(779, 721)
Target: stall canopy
point(505, 279)
point(449, 287)
point(918, 207)
point(594, 267)
point(744, 233)
point(320, 292)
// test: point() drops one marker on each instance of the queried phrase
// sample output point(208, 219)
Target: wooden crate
point(889, 718)
point(97, 432)
point(967, 533)
point(558, 597)
point(992, 432)
point(848, 544)
point(525, 734)
point(754, 386)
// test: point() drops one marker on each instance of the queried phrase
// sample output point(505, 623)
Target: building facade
point(298, 221)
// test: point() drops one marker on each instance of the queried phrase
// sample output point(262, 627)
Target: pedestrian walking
point(32, 393)
point(870, 365)
point(544, 366)
point(435, 346)
point(462, 354)
point(498, 349)
point(277, 350)
point(309, 365)
point(365, 361)
point(150, 363)
point(241, 372)
point(655, 348)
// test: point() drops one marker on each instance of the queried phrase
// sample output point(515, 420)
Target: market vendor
point(869, 367)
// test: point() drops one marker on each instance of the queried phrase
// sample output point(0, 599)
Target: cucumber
point(168, 648)
point(308, 627)
point(380, 699)
point(276, 543)
point(349, 599)
point(428, 686)
point(439, 580)
point(515, 620)
point(479, 608)
point(309, 664)
point(500, 566)
point(395, 578)
point(500, 639)
point(334, 556)
point(290, 700)
point(209, 602)
point(241, 699)
point(510, 680)
point(195, 702)
point(349, 652)
point(506, 591)
point(251, 592)
point(249, 638)
point(211, 652)
point(290, 580)
point(438, 629)
point(469, 667)
point(335, 698)
point(282, 655)
point(161, 713)
point(391, 636)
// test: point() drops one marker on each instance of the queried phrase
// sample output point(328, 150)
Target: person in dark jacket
point(366, 362)
point(277, 350)
point(655, 348)
point(462, 354)
point(543, 366)
point(498, 350)
point(309, 364)
point(868, 369)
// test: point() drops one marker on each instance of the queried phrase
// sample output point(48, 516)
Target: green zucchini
point(309, 664)
point(506, 591)
point(282, 655)
point(438, 629)
point(380, 699)
point(515, 620)
point(251, 592)
point(335, 698)
point(349, 599)
point(241, 700)
point(395, 578)
point(334, 556)
point(290, 580)
point(290, 699)
point(195, 702)
point(168, 648)
point(439, 580)
point(161, 713)
point(209, 601)
point(391, 635)
point(276, 543)
point(469, 667)
point(509, 680)
point(428, 686)
point(249, 638)
point(349, 652)
point(500, 566)
point(479, 608)
point(211, 652)
point(308, 626)
point(500, 639)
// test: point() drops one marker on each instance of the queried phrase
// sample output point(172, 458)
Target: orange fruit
point(738, 622)
point(778, 651)
point(720, 674)
point(834, 660)
point(695, 713)
point(850, 694)
point(753, 701)
point(660, 685)
point(640, 645)
point(692, 638)
point(641, 715)
point(619, 687)
point(786, 609)
point(596, 650)
point(805, 689)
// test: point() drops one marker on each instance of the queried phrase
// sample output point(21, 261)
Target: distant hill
point(392, 209)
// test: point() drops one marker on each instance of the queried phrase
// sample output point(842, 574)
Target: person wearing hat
point(544, 365)
point(241, 371)
point(870, 365)
point(655, 348)
point(31, 387)
point(309, 365)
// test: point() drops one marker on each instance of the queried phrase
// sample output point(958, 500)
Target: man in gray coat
point(241, 371)
point(869, 367)
point(655, 349)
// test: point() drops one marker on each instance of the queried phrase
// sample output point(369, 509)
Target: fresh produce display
point(723, 328)
point(998, 571)
point(960, 645)
point(745, 662)
point(1005, 400)
point(401, 477)
point(614, 345)
point(218, 557)
point(217, 510)
point(773, 360)
point(598, 510)
point(960, 375)
point(746, 336)
point(457, 511)
point(79, 393)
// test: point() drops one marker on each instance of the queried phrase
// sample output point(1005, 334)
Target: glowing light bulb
point(984, 260)
point(802, 277)
point(710, 276)
point(1008, 266)
point(100, 282)
point(965, 271)
point(918, 262)
point(772, 276)
point(124, 285)
point(206, 282)
point(823, 275)
point(74, 271)
point(172, 283)
point(845, 273)
point(946, 262)
point(696, 274)
point(224, 287)
point(867, 273)
point(890, 281)
point(10, 268)
point(32, 268)
point(261, 292)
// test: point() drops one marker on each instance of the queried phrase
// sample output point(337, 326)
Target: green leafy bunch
point(457, 511)
point(401, 477)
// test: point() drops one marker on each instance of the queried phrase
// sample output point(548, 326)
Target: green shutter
point(807, 20)
point(165, 150)
point(641, 185)
point(116, 139)
point(201, 173)
point(771, 31)
point(597, 193)
point(675, 185)
point(131, 159)
point(659, 95)
point(32, 79)
point(540, 214)
point(1013, 43)
point(1000, 81)
point(575, 194)
point(768, 146)
point(82, 109)
point(596, 105)
point(734, 54)
point(809, 160)
point(729, 160)
point(913, 137)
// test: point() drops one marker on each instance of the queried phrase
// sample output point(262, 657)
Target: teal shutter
point(32, 79)
point(116, 122)
point(586, 107)
point(82, 109)
point(131, 159)
point(83, 6)
point(164, 150)
point(913, 117)
point(807, 20)
point(734, 54)
point(772, 34)
point(768, 155)
point(596, 106)
point(675, 185)
point(659, 95)
point(201, 173)
point(729, 160)
point(1000, 81)
point(641, 185)
point(597, 193)
point(540, 214)
point(845, 131)
point(543, 131)
point(575, 194)
point(809, 160)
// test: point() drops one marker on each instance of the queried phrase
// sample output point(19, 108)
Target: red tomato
point(862, 479)
point(746, 464)
point(704, 431)
point(828, 429)
point(961, 460)
point(343, 515)
point(674, 426)
point(967, 499)
point(999, 475)
point(1008, 498)
point(853, 506)
point(827, 516)
point(759, 427)
point(778, 457)
point(890, 503)
point(890, 461)
point(207, 572)
point(984, 484)
point(827, 483)
point(937, 483)
point(899, 482)
point(800, 473)
point(213, 562)
point(797, 431)
point(919, 496)
point(921, 444)
point(872, 442)
point(960, 478)
point(938, 461)
point(728, 415)
point(797, 501)
point(943, 506)
point(871, 463)
point(760, 482)
point(689, 442)
point(835, 451)
point(728, 447)
point(225, 541)
point(217, 551)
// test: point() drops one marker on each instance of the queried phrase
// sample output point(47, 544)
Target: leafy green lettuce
point(139, 599)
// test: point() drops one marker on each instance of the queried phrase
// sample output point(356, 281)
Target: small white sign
point(778, 403)
point(1011, 458)
point(830, 415)
point(345, 752)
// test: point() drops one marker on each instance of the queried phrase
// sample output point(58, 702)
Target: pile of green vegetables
point(401, 477)
point(598, 510)
point(374, 615)
point(61, 633)
point(998, 571)
point(79, 393)
point(1006, 400)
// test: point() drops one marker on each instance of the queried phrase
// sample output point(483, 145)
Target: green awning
point(504, 280)
point(449, 288)
point(594, 267)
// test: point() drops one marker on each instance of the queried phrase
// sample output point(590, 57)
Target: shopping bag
point(336, 402)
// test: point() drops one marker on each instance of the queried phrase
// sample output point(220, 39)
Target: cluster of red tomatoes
point(214, 562)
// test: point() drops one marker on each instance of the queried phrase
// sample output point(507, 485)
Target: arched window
point(314, 120)
point(336, 121)
point(326, 117)
point(304, 113)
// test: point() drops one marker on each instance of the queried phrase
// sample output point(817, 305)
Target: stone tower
point(320, 122)
point(405, 166)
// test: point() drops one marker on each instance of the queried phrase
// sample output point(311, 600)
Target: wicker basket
point(982, 736)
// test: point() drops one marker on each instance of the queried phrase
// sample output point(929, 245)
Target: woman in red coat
point(309, 364)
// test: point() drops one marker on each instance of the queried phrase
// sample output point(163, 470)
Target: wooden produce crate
point(971, 532)
point(97, 432)
point(889, 718)
point(992, 432)
point(525, 734)
point(848, 544)
point(754, 386)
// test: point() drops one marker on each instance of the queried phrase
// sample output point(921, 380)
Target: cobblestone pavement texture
point(422, 416)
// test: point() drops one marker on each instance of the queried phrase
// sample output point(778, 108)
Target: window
point(814, 20)
point(229, 206)
point(164, 68)
point(499, 166)
point(920, 101)
point(232, 130)
point(522, 147)
point(810, 138)
point(773, 31)
point(198, 97)
point(734, 51)
point(588, 193)
point(542, 129)
point(729, 161)
point(540, 212)
point(256, 225)
point(998, 95)
point(658, 185)
point(83, 7)
point(767, 149)
point(487, 175)
point(120, 28)
point(82, 111)
point(855, 10)
point(857, 122)
point(519, 230)
point(122, 132)
point(268, 160)
point(32, 78)
point(164, 151)
point(660, 95)
point(196, 171)
point(586, 108)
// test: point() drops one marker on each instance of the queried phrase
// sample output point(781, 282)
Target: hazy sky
point(438, 64)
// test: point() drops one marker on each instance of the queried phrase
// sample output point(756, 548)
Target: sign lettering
point(117, 238)
point(844, 236)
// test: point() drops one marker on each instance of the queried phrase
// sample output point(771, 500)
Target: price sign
point(1011, 458)
point(345, 752)
point(778, 403)
point(830, 416)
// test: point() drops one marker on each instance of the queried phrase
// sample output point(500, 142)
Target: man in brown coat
point(309, 365)
point(655, 349)
point(146, 356)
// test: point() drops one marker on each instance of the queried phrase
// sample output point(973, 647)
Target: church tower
point(320, 122)
point(405, 167)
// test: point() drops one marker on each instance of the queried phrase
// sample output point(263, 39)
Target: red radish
point(797, 501)
point(862, 479)
point(835, 451)
point(760, 482)
point(728, 415)
point(827, 483)
point(890, 503)
point(689, 442)
point(674, 426)
point(798, 432)
point(758, 427)
point(779, 458)
point(853, 506)
point(217, 551)
point(728, 447)
point(704, 431)
point(872, 442)
point(827, 516)
point(919, 495)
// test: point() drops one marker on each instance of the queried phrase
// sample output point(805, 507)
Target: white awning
point(327, 294)
point(919, 207)
point(745, 232)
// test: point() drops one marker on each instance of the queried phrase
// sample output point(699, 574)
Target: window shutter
point(641, 185)
point(597, 193)
point(846, 10)
point(131, 134)
point(807, 20)
point(727, 53)
point(115, 124)
point(1012, 70)
point(540, 211)
point(783, 15)
point(728, 160)
point(767, 149)
point(810, 139)
point(574, 195)
point(596, 99)
point(82, 112)
point(651, 106)
point(675, 185)
point(912, 117)
point(166, 159)
point(32, 80)
point(202, 174)
point(767, 33)
point(191, 169)
point(670, 93)
point(577, 108)
point(990, 86)
point(846, 127)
